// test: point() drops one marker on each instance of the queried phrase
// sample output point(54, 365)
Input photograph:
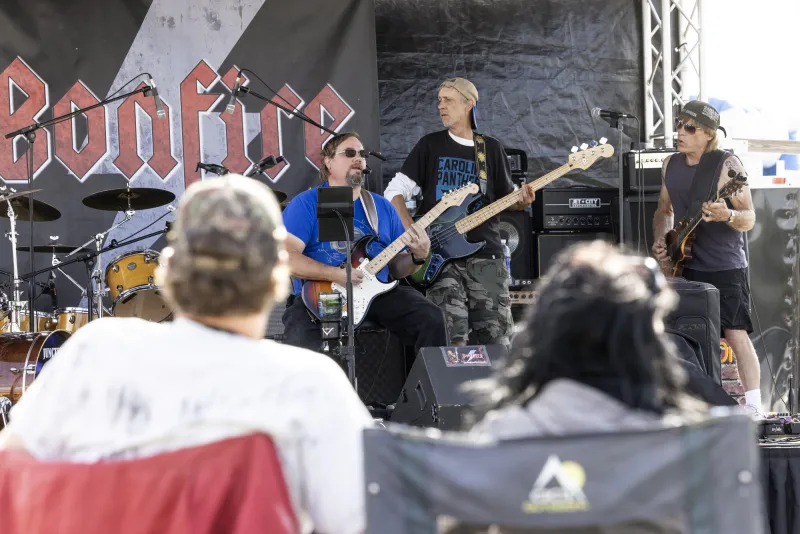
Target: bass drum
point(22, 356)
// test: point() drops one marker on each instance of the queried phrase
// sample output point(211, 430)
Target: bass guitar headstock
point(589, 154)
point(457, 196)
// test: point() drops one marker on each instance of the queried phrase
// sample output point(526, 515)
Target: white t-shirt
point(122, 388)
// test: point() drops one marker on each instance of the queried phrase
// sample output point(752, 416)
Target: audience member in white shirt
point(124, 388)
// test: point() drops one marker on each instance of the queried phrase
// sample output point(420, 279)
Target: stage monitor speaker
point(638, 212)
point(516, 227)
point(432, 395)
point(549, 245)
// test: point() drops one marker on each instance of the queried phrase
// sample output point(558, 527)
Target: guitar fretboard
point(482, 215)
point(381, 260)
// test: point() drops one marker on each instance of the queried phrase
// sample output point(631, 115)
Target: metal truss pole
point(679, 83)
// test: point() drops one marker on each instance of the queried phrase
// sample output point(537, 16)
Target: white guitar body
point(363, 293)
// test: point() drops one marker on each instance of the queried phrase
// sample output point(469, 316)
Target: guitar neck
point(482, 215)
point(382, 260)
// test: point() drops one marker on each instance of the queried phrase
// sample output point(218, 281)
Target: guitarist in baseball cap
point(690, 178)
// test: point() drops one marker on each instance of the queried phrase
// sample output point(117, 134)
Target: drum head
point(147, 304)
point(51, 345)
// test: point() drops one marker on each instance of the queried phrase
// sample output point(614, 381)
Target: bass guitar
point(370, 287)
point(448, 232)
point(680, 239)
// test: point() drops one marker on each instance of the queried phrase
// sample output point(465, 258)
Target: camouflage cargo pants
point(473, 294)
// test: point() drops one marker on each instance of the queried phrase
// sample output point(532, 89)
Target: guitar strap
point(369, 208)
point(704, 186)
point(480, 160)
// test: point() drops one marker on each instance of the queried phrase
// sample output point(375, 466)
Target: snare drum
point(22, 356)
point(44, 321)
point(71, 319)
point(130, 279)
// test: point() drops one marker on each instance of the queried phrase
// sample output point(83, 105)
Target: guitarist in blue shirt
point(402, 310)
point(473, 291)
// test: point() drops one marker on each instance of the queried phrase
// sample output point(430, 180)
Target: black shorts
point(734, 296)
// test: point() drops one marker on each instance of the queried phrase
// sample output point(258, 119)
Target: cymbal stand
point(16, 305)
point(97, 275)
point(55, 263)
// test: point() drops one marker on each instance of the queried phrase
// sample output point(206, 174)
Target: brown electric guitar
point(680, 239)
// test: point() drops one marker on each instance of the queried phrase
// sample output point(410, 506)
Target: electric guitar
point(448, 232)
point(370, 287)
point(680, 239)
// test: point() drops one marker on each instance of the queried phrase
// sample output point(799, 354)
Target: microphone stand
point(30, 135)
point(348, 352)
point(619, 185)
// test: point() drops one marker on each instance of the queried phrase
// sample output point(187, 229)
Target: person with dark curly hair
point(591, 354)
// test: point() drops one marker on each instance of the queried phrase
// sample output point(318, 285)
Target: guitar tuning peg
point(573, 149)
point(593, 144)
point(603, 140)
point(584, 146)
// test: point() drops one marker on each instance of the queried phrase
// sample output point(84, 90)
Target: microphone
point(213, 168)
point(377, 155)
point(598, 113)
point(236, 86)
point(51, 283)
point(159, 106)
point(264, 164)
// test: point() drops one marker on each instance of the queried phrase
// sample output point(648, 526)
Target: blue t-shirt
point(300, 219)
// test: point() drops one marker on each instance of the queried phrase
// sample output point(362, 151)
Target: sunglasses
point(352, 152)
point(688, 128)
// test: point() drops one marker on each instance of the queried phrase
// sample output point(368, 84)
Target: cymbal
point(9, 196)
point(53, 248)
point(41, 211)
point(141, 198)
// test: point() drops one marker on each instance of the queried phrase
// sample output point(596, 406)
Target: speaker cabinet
point(638, 212)
point(517, 229)
point(380, 364)
point(549, 245)
point(432, 395)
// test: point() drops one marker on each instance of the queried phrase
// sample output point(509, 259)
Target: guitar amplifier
point(641, 170)
point(573, 209)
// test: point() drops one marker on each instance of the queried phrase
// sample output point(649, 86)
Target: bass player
point(718, 251)
point(472, 292)
point(403, 310)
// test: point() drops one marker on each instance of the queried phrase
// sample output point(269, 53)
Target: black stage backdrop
point(539, 66)
point(319, 55)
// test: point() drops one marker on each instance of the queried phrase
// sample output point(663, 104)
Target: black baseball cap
point(704, 114)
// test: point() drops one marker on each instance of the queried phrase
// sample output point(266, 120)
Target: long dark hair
point(329, 151)
point(598, 320)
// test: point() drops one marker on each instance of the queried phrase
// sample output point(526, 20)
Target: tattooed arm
point(744, 215)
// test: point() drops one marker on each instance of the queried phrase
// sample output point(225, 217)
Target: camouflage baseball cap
point(703, 113)
point(228, 223)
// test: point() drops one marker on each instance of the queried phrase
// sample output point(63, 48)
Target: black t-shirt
point(439, 164)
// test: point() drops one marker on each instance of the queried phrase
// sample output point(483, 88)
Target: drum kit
point(129, 281)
